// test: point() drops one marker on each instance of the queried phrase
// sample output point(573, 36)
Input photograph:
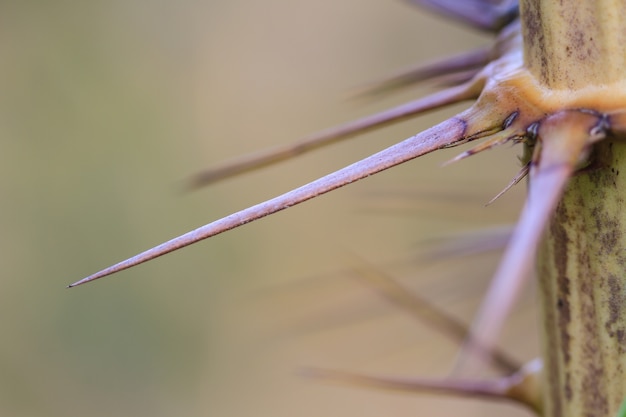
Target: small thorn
point(494, 139)
point(458, 158)
point(518, 177)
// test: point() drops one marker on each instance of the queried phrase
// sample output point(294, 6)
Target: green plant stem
point(572, 45)
point(582, 275)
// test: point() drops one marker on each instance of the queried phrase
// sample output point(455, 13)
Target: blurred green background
point(108, 106)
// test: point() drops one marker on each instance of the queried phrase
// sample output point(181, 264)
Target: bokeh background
point(106, 107)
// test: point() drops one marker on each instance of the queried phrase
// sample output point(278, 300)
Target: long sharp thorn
point(515, 267)
point(326, 137)
point(444, 134)
point(456, 78)
point(466, 62)
point(489, 15)
point(494, 389)
point(565, 137)
point(424, 310)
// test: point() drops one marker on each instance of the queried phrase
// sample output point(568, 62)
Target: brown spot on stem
point(561, 255)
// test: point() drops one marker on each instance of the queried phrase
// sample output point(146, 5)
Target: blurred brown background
point(107, 106)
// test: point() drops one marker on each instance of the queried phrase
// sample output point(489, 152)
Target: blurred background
point(108, 106)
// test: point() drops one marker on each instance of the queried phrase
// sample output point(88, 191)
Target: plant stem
point(574, 45)
point(582, 274)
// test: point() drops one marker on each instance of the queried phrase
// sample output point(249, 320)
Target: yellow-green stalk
point(578, 48)
point(582, 275)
